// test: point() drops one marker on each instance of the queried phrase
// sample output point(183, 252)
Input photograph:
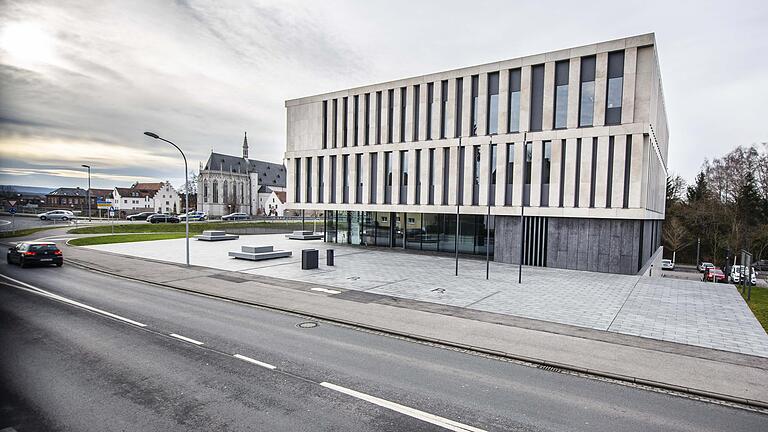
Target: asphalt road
point(64, 367)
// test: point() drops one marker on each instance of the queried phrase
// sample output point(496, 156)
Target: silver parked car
point(63, 215)
point(235, 216)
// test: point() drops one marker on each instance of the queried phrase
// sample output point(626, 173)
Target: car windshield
point(43, 247)
point(716, 271)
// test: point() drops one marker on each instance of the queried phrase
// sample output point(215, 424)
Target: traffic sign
point(12, 210)
point(12, 203)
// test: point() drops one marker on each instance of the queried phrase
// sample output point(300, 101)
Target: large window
point(475, 175)
point(615, 88)
point(546, 172)
point(460, 178)
point(609, 182)
point(492, 122)
point(345, 179)
point(431, 178)
point(492, 170)
point(359, 178)
point(355, 109)
point(403, 198)
point(627, 167)
point(325, 124)
point(403, 101)
point(561, 94)
point(344, 120)
point(367, 119)
point(387, 177)
point(390, 115)
point(416, 100)
point(215, 192)
point(513, 124)
point(459, 96)
point(296, 184)
point(510, 175)
point(335, 122)
point(587, 100)
point(374, 177)
point(417, 176)
point(378, 117)
point(443, 107)
point(537, 97)
point(473, 108)
point(430, 97)
point(446, 176)
point(308, 197)
point(528, 165)
point(320, 179)
point(333, 179)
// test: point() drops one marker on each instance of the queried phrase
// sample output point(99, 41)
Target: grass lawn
point(126, 238)
point(759, 304)
point(25, 232)
point(194, 227)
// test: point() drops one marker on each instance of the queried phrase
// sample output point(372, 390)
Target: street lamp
point(89, 190)
point(186, 185)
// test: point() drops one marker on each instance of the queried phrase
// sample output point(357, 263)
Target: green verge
point(25, 232)
point(194, 227)
point(124, 238)
point(759, 304)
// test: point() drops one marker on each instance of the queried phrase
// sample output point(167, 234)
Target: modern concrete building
point(575, 139)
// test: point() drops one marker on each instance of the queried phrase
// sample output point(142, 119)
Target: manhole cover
point(307, 324)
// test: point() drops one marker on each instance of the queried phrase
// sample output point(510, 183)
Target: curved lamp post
point(186, 185)
point(88, 167)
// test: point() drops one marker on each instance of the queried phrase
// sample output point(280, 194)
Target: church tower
point(245, 146)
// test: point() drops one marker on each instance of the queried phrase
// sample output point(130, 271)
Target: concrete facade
point(606, 161)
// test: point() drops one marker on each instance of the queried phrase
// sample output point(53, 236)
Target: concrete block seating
point(304, 235)
point(258, 253)
point(216, 236)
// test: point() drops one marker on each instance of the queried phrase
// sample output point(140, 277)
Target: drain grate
point(307, 324)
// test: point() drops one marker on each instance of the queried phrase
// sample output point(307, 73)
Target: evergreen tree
point(699, 189)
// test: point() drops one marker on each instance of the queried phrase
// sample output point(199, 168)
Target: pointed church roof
point(270, 174)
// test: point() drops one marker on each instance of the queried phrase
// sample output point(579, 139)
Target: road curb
point(427, 339)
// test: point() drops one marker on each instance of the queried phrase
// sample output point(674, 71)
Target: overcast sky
point(81, 80)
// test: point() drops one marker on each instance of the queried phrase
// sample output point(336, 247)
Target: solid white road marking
point(254, 361)
point(329, 291)
point(73, 302)
point(421, 415)
point(186, 339)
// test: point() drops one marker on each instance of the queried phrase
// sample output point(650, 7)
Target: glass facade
point(493, 104)
point(345, 179)
point(587, 100)
point(561, 94)
point(403, 196)
point(509, 191)
point(412, 231)
point(492, 170)
point(387, 177)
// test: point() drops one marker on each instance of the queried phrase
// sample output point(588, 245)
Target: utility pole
point(698, 249)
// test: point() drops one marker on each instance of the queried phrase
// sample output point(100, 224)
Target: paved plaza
point(682, 311)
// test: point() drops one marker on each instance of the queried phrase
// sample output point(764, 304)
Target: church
point(231, 184)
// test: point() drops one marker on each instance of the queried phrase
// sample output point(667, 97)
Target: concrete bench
point(215, 235)
point(258, 253)
point(304, 235)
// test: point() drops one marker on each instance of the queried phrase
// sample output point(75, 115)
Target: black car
point(140, 216)
point(160, 218)
point(30, 253)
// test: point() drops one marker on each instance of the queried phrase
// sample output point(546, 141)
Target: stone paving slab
point(687, 312)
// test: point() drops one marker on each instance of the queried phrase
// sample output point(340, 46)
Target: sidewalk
point(714, 373)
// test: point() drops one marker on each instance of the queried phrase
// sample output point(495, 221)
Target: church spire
point(245, 146)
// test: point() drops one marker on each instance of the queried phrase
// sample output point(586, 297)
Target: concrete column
point(501, 173)
point(536, 174)
point(366, 167)
point(385, 116)
point(525, 99)
point(468, 179)
point(619, 156)
point(548, 120)
point(381, 178)
point(290, 183)
point(450, 124)
point(482, 104)
point(503, 107)
point(396, 170)
point(396, 116)
point(574, 75)
point(438, 176)
point(353, 178)
point(453, 175)
point(601, 81)
point(517, 193)
point(569, 184)
point(409, 110)
point(601, 172)
point(423, 111)
point(466, 106)
point(485, 173)
point(554, 178)
point(585, 182)
point(628, 95)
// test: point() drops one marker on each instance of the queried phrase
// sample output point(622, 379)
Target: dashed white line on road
point(254, 361)
point(325, 290)
point(186, 339)
point(45, 293)
point(402, 409)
